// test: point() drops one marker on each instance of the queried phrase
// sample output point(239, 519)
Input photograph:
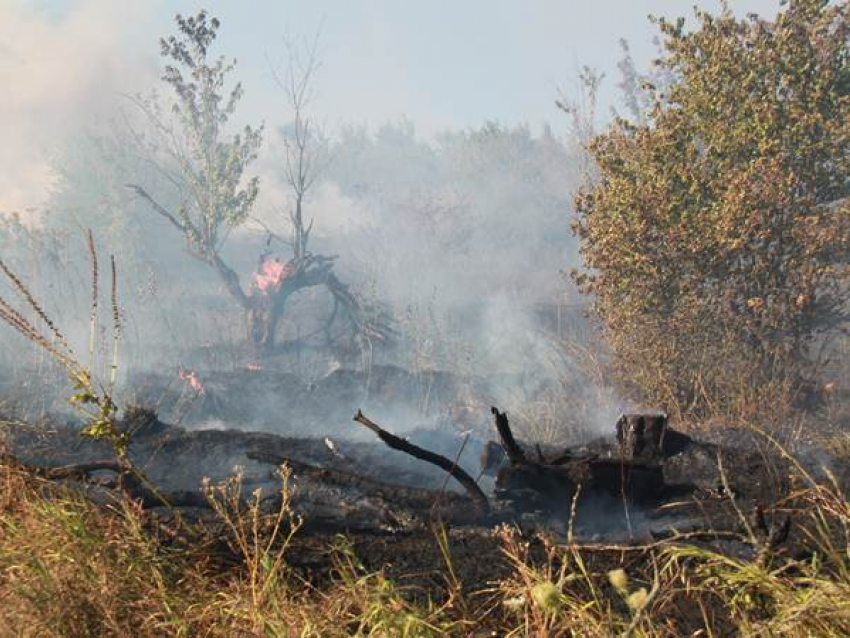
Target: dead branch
point(663, 539)
point(124, 482)
point(77, 470)
point(515, 454)
point(141, 192)
point(402, 445)
point(208, 254)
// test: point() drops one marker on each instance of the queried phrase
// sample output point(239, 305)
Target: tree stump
point(641, 436)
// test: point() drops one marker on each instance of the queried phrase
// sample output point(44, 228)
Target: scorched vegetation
point(660, 450)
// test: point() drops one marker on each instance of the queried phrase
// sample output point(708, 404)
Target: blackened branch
point(398, 443)
point(515, 454)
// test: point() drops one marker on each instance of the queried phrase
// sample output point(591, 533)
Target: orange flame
point(271, 275)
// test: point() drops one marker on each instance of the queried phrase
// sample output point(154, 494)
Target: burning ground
point(361, 381)
point(382, 500)
point(378, 529)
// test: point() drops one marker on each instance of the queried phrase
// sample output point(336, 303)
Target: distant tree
point(716, 233)
point(92, 171)
point(475, 213)
point(215, 193)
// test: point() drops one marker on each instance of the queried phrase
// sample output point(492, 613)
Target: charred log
point(123, 483)
point(142, 421)
point(420, 501)
point(641, 436)
point(492, 457)
point(149, 498)
point(514, 451)
point(75, 471)
point(531, 484)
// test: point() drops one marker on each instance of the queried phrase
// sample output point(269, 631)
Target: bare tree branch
point(300, 140)
point(141, 192)
point(458, 473)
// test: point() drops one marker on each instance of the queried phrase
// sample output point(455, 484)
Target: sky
point(65, 64)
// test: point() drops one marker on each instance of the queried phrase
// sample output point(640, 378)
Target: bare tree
point(302, 138)
point(215, 194)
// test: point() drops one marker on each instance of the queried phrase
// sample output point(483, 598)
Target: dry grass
point(69, 567)
point(578, 401)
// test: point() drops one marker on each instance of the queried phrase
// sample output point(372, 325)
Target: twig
point(725, 482)
point(674, 537)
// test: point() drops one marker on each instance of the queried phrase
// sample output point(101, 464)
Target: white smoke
point(59, 74)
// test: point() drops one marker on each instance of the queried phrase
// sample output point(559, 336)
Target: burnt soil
point(389, 530)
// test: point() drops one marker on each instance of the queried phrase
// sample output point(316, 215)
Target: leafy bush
point(715, 235)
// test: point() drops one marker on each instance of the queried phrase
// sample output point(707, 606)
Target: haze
point(442, 65)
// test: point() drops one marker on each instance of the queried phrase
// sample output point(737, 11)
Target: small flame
point(271, 275)
point(191, 377)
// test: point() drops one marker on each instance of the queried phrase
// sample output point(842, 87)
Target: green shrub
point(715, 235)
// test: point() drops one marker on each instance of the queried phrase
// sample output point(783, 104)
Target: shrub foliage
point(715, 235)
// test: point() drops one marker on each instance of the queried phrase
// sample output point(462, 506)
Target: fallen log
point(74, 471)
point(420, 501)
point(124, 482)
point(457, 472)
point(340, 478)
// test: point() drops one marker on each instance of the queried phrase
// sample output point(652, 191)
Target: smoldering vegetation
point(315, 361)
point(430, 230)
point(278, 278)
point(466, 253)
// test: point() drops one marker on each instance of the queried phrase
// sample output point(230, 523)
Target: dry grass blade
point(116, 322)
point(94, 298)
